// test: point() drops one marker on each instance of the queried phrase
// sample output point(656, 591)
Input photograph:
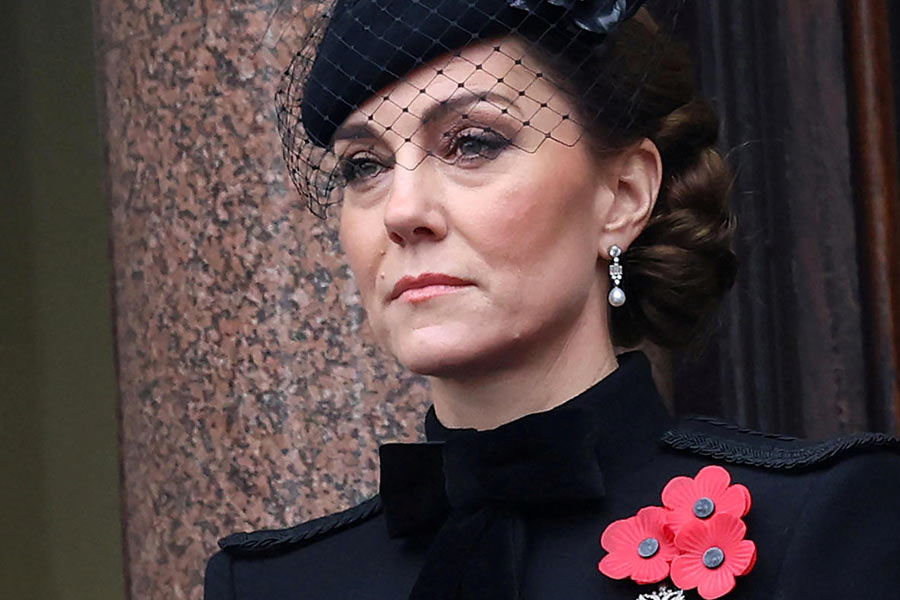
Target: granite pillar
point(252, 394)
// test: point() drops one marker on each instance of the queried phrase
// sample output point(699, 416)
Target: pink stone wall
point(252, 394)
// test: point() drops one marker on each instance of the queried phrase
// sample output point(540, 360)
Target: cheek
point(363, 248)
point(542, 226)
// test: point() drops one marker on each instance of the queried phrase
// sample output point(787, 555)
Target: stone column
point(252, 394)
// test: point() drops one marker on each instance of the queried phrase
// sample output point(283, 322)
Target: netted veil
point(450, 79)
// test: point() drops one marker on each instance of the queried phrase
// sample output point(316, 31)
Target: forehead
point(502, 66)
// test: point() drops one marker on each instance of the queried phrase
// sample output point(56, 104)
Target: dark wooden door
point(809, 339)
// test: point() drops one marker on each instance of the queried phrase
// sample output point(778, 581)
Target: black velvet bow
point(597, 16)
point(477, 487)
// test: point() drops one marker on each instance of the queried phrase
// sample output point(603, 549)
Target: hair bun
point(686, 131)
point(682, 264)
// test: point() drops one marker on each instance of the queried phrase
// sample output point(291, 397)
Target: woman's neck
point(553, 372)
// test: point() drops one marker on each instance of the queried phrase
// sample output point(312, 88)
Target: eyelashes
point(466, 146)
point(473, 143)
point(360, 166)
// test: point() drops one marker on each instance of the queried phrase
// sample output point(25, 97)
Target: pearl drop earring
point(616, 295)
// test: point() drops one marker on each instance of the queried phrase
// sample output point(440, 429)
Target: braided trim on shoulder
point(732, 427)
point(751, 453)
point(268, 540)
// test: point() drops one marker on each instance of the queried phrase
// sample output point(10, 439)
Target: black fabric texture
point(217, 580)
point(413, 484)
point(471, 514)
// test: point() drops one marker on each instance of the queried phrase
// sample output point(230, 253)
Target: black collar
point(574, 452)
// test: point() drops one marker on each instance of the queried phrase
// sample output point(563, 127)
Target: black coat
point(517, 512)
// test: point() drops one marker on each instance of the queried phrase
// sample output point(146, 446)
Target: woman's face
point(496, 227)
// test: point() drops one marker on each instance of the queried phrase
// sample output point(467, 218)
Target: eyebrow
point(357, 131)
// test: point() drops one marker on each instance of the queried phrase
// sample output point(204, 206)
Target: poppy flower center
point(649, 547)
point(704, 507)
point(713, 557)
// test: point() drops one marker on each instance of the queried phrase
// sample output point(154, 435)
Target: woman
point(507, 171)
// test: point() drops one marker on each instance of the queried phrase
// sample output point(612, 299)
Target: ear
point(636, 178)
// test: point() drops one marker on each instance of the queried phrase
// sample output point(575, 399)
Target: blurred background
point(59, 463)
point(183, 353)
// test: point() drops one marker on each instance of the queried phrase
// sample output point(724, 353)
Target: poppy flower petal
point(726, 529)
point(693, 538)
point(747, 498)
point(752, 562)
point(686, 572)
point(667, 550)
point(615, 565)
point(651, 517)
point(651, 570)
point(712, 481)
point(715, 584)
point(676, 519)
point(619, 535)
point(679, 492)
point(733, 501)
point(741, 557)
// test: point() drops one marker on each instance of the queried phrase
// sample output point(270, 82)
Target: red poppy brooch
point(697, 538)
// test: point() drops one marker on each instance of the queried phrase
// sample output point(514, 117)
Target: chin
point(448, 352)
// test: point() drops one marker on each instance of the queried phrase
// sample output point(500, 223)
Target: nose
point(413, 212)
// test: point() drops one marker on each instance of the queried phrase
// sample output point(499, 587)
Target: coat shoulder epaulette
point(269, 541)
point(716, 439)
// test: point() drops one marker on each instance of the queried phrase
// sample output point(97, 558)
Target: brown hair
point(640, 84)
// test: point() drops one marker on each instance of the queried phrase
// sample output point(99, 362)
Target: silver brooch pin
point(663, 593)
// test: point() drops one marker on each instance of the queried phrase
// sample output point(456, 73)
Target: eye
point(476, 143)
point(360, 167)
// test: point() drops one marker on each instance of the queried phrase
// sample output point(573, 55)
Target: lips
point(426, 280)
